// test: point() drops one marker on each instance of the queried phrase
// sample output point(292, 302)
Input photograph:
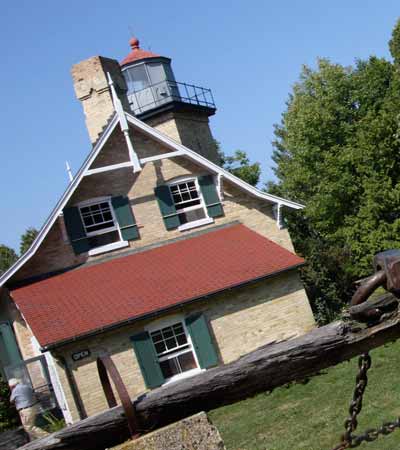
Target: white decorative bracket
point(277, 209)
point(69, 172)
point(124, 126)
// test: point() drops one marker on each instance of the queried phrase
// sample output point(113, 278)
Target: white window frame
point(169, 322)
point(195, 223)
point(108, 247)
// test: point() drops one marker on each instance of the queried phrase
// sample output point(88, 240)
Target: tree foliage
point(26, 239)
point(8, 414)
point(8, 255)
point(7, 258)
point(239, 165)
point(337, 150)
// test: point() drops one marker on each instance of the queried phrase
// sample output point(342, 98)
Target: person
point(23, 397)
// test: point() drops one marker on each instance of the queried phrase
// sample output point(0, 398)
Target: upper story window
point(97, 217)
point(101, 224)
point(174, 351)
point(188, 201)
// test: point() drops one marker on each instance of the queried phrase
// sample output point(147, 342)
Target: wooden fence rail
point(262, 370)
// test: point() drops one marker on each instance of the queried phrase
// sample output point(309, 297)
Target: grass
point(311, 416)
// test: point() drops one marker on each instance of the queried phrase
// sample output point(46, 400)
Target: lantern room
point(152, 87)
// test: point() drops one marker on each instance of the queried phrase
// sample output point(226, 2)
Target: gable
point(163, 153)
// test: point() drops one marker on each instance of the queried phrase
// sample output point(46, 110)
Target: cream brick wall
point(23, 335)
point(190, 129)
point(239, 321)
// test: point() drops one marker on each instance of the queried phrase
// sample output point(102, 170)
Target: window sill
point(195, 224)
point(108, 248)
point(182, 376)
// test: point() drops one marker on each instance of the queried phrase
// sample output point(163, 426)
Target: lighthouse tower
point(149, 90)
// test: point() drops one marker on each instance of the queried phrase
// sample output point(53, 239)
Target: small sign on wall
point(77, 356)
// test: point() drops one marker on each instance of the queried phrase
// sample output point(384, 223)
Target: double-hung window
point(174, 351)
point(100, 225)
point(188, 202)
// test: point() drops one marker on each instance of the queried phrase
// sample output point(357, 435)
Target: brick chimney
point(91, 88)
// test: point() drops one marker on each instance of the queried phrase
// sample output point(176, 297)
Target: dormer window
point(100, 225)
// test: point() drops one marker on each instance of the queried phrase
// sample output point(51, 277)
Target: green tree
point(239, 165)
point(7, 258)
point(337, 150)
point(26, 239)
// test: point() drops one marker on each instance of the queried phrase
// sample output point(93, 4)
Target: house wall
point(190, 129)
point(56, 253)
point(240, 321)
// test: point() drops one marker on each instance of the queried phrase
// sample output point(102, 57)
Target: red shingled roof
point(137, 53)
point(92, 297)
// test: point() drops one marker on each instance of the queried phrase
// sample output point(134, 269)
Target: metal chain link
point(364, 363)
point(349, 440)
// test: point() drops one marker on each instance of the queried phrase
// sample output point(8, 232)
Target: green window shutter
point(210, 195)
point(147, 359)
point(125, 218)
point(75, 229)
point(167, 207)
point(10, 344)
point(202, 341)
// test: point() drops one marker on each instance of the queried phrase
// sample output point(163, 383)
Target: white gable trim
point(61, 203)
point(177, 149)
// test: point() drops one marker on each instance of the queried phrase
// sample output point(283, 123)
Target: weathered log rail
point(262, 370)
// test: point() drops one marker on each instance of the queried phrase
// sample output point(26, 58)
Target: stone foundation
point(194, 433)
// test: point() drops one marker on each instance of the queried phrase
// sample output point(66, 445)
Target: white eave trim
point(176, 147)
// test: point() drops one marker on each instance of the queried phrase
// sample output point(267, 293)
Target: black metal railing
point(168, 91)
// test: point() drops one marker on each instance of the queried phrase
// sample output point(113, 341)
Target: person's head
point(12, 382)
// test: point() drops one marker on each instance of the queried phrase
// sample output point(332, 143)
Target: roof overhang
point(82, 302)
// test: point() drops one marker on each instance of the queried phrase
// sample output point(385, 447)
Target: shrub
point(8, 414)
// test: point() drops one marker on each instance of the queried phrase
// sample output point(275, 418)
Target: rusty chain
point(364, 363)
point(387, 274)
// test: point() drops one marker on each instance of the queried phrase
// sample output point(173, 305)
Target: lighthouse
point(148, 89)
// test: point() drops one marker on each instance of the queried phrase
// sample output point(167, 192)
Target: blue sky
point(248, 52)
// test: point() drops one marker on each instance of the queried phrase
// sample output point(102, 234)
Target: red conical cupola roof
point(137, 53)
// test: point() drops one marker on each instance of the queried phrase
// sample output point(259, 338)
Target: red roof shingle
point(92, 297)
point(137, 53)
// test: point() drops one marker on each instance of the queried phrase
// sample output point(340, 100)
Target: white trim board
point(158, 136)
